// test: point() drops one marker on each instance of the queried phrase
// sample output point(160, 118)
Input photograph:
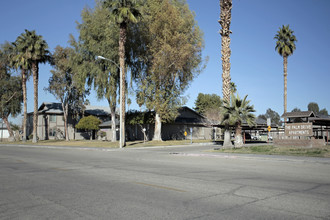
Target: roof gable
point(51, 107)
point(97, 110)
point(188, 115)
point(303, 114)
point(56, 108)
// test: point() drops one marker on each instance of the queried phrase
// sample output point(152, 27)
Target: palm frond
point(285, 44)
point(238, 111)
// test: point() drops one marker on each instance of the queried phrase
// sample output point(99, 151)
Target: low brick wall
point(308, 143)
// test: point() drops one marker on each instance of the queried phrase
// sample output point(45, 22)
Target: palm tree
point(285, 45)
point(125, 12)
point(20, 61)
point(225, 20)
point(34, 49)
point(236, 113)
point(233, 88)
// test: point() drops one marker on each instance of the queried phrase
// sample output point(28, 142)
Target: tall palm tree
point(20, 61)
point(285, 45)
point(125, 12)
point(35, 50)
point(225, 20)
point(237, 112)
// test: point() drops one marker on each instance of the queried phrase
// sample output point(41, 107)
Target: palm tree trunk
point(158, 128)
point(122, 41)
point(35, 113)
point(238, 136)
point(225, 19)
point(285, 66)
point(226, 79)
point(25, 104)
point(227, 138)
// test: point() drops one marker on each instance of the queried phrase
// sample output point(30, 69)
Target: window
point(52, 132)
point(52, 118)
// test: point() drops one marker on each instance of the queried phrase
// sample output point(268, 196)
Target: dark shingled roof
point(303, 114)
point(325, 121)
point(108, 124)
point(56, 108)
point(51, 107)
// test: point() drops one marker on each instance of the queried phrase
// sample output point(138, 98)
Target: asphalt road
point(159, 183)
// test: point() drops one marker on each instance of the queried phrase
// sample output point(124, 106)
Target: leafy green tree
point(225, 20)
point(313, 106)
point(63, 86)
point(89, 123)
point(141, 119)
point(99, 36)
point(273, 115)
point(296, 109)
point(205, 102)
point(124, 12)
point(285, 45)
point(323, 112)
point(173, 45)
point(237, 112)
point(10, 89)
point(36, 50)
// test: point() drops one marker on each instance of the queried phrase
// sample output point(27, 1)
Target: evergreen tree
point(273, 115)
point(89, 123)
point(172, 57)
point(205, 102)
point(323, 112)
point(63, 84)
point(11, 95)
point(313, 106)
point(99, 36)
point(296, 109)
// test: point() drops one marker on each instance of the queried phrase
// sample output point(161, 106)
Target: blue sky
point(256, 68)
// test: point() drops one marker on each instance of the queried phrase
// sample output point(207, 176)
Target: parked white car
point(265, 137)
point(255, 137)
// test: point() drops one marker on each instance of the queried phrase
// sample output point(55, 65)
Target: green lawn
point(289, 151)
point(106, 144)
point(257, 149)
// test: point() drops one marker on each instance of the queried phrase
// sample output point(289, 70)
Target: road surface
point(159, 183)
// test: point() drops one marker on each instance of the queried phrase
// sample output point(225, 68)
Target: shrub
point(101, 134)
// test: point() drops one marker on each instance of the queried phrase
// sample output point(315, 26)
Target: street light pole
point(1, 121)
point(121, 141)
